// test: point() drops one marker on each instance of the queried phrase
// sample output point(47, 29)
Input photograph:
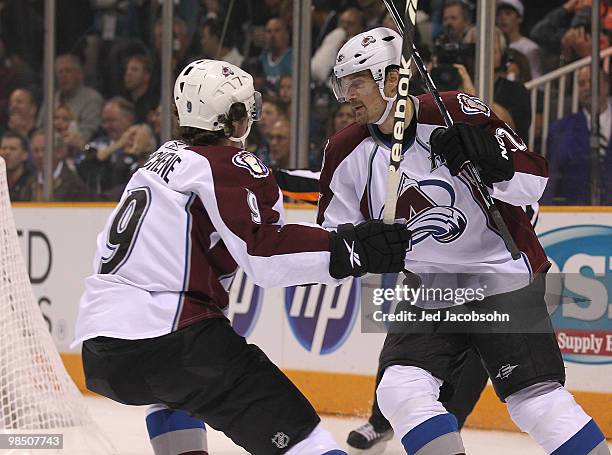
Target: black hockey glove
point(463, 142)
point(371, 246)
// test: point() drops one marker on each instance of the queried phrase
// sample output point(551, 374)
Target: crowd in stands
point(107, 112)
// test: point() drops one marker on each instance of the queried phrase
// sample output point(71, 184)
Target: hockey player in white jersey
point(452, 234)
point(152, 317)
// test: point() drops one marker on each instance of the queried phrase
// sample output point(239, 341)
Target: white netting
point(36, 392)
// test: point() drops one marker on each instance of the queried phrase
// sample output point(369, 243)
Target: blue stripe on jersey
point(187, 260)
point(424, 433)
point(167, 420)
point(589, 437)
point(335, 452)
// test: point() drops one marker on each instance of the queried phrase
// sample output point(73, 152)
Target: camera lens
point(446, 77)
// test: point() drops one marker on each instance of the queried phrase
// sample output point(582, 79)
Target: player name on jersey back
point(164, 160)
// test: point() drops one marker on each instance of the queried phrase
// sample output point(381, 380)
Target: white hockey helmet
point(372, 50)
point(206, 89)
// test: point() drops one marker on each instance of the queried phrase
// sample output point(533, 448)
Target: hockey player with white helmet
point(152, 316)
point(452, 239)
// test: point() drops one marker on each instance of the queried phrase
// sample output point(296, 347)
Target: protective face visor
point(359, 85)
point(254, 108)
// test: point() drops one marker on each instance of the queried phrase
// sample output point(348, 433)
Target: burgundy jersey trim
point(265, 238)
point(340, 146)
point(204, 297)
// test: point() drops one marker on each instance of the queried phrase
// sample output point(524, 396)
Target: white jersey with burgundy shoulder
point(186, 220)
point(451, 230)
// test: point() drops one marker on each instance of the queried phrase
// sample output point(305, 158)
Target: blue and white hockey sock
point(175, 432)
point(408, 398)
point(551, 416)
point(436, 436)
point(588, 441)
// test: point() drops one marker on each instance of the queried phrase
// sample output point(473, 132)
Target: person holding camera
point(510, 98)
point(456, 19)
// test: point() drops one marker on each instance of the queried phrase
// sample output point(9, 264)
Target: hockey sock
point(174, 432)
point(551, 416)
point(408, 397)
point(318, 442)
point(588, 441)
point(436, 436)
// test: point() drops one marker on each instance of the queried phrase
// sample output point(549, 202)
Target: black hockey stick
point(469, 168)
point(399, 116)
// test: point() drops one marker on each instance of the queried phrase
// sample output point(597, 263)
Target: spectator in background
point(350, 23)
point(374, 12)
point(67, 185)
point(11, 79)
point(14, 151)
point(280, 143)
point(180, 48)
point(23, 111)
point(341, 117)
point(84, 102)
point(212, 46)
point(511, 98)
point(518, 68)
point(104, 164)
point(549, 33)
point(568, 150)
point(324, 20)
point(577, 41)
point(276, 60)
point(321, 99)
point(121, 29)
point(259, 16)
point(154, 121)
point(509, 19)
point(137, 82)
point(272, 110)
point(456, 20)
point(254, 67)
point(67, 134)
point(285, 90)
point(140, 144)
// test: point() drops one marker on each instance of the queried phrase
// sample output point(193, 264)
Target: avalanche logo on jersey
point(444, 223)
point(226, 71)
point(471, 105)
point(251, 163)
point(322, 317)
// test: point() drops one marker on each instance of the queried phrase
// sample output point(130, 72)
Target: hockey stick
point(399, 116)
point(469, 168)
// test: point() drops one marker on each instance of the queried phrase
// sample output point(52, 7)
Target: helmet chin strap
point(388, 108)
point(242, 138)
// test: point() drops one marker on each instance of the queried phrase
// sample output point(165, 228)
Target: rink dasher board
point(58, 242)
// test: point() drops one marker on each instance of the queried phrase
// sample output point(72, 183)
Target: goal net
point(37, 395)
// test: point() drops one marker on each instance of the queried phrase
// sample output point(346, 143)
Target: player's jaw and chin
point(367, 111)
point(369, 107)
